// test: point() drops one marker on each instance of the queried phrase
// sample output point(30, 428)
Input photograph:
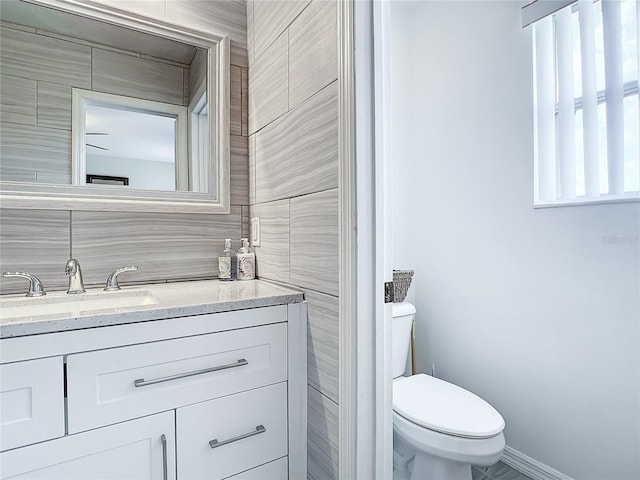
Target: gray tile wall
point(322, 435)
point(38, 73)
point(165, 246)
point(293, 185)
point(37, 242)
point(122, 74)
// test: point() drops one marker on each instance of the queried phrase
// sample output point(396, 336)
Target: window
point(586, 62)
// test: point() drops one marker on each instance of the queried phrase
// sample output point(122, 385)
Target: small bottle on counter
point(246, 262)
point(227, 263)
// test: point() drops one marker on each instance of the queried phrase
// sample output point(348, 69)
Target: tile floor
point(499, 471)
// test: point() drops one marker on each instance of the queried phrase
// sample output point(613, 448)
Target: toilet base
point(428, 467)
point(410, 464)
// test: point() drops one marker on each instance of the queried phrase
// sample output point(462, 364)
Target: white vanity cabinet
point(210, 396)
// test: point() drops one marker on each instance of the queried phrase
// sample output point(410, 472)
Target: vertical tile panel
point(272, 256)
point(298, 153)
point(236, 100)
point(271, 18)
point(322, 343)
point(314, 242)
point(164, 246)
point(239, 170)
point(54, 105)
point(323, 437)
point(18, 100)
point(313, 62)
point(268, 80)
point(36, 242)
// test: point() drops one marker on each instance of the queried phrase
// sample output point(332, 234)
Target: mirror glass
point(117, 154)
point(129, 142)
point(96, 105)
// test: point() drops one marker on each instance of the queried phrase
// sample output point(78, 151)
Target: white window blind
point(587, 106)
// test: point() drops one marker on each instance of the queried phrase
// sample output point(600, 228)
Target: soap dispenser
point(246, 262)
point(227, 263)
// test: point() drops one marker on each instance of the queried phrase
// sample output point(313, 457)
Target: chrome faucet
point(72, 269)
point(35, 285)
point(112, 281)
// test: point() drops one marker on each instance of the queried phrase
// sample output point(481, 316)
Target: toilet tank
point(402, 319)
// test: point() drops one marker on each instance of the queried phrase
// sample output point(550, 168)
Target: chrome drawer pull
point(141, 382)
point(165, 473)
point(215, 443)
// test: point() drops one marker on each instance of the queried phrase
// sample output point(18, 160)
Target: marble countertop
point(164, 300)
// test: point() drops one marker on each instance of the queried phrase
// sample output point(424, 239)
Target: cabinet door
point(31, 402)
point(135, 450)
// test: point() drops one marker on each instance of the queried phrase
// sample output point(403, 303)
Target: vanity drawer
point(31, 402)
point(109, 386)
point(276, 470)
point(250, 429)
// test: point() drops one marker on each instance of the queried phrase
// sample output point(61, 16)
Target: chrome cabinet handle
point(141, 382)
point(165, 473)
point(215, 443)
point(112, 281)
point(35, 285)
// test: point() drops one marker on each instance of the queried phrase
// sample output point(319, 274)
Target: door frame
point(365, 179)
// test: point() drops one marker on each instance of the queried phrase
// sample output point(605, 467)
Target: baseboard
point(530, 467)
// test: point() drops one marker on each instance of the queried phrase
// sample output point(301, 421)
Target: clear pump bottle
point(227, 263)
point(246, 262)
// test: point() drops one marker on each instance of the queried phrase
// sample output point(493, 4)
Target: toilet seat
point(444, 407)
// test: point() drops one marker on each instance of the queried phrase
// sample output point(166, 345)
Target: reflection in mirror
point(139, 148)
point(144, 112)
point(142, 141)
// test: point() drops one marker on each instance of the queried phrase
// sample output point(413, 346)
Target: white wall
point(142, 174)
point(536, 310)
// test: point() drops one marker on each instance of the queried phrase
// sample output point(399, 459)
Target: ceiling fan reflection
point(96, 146)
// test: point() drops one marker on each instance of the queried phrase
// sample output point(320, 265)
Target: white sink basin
point(74, 305)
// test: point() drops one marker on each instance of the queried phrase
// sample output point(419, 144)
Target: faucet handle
point(35, 285)
point(112, 281)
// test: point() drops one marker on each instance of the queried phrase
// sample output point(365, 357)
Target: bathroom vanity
point(188, 380)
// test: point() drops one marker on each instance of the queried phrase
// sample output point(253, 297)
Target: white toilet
point(439, 429)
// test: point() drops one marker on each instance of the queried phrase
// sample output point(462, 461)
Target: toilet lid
point(441, 406)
